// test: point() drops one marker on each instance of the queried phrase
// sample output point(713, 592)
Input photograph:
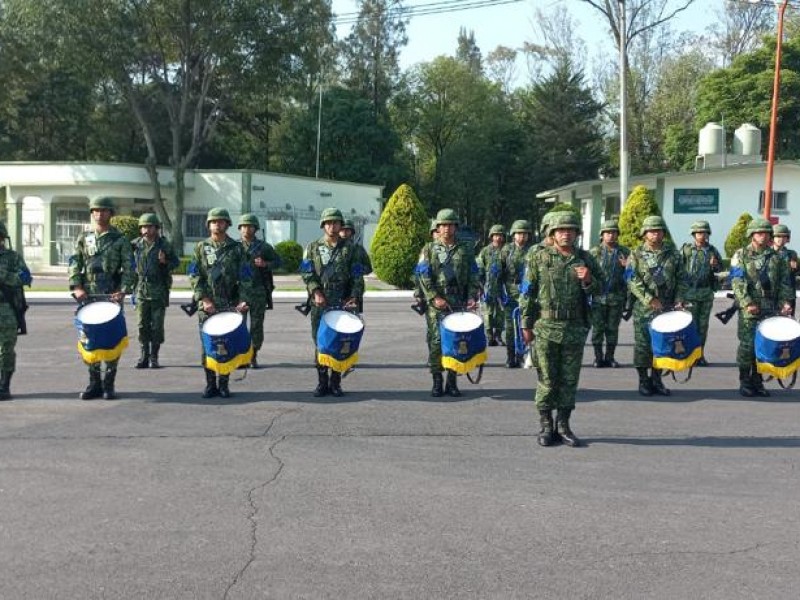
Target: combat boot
point(745, 385)
point(609, 358)
point(108, 383)
point(5, 385)
point(658, 385)
point(492, 339)
point(224, 390)
point(144, 357)
point(645, 384)
point(154, 348)
point(254, 362)
point(562, 419)
point(500, 339)
point(437, 390)
point(211, 384)
point(451, 386)
point(512, 362)
point(95, 387)
point(598, 363)
point(758, 384)
point(322, 382)
point(546, 433)
point(336, 384)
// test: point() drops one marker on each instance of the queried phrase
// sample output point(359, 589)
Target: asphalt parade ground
point(387, 492)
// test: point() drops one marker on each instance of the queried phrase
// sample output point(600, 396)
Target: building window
point(194, 226)
point(779, 201)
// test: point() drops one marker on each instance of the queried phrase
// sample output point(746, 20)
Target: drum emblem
point(345, 347)
point(680, 349)
point(785, 353)
point(222, 350)
point(462, 347)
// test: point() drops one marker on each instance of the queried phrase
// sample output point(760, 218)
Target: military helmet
point(609, 225)
point(218, 213)
point(520, 226)
point(445, 216)
point(652, 223)
point(101, 203)
point(758, 225)
point(434, 226)
point(781, 230)
point(149, 219)
point(249, 219)
point(3, 231)
point(700, 227)
point(544, 226)
point(348, 224)
point(564, 220)
point(330, 214)
point(497, 230)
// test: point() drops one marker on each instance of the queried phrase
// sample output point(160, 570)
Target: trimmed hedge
point(128, 226)
point(640, 205)
point(291, 253)
point(737, 236)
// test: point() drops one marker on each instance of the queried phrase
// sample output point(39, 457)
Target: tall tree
point(501, 67)
point(739, 28)
point(467, 51)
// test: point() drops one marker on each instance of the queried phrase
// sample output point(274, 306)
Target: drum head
point(779, 329)
point(96, 313)
point(222, 323)
point(671, 322)
point(462, 322)
point(342, 321)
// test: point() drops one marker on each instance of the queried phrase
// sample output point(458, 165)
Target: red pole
point(773, 120)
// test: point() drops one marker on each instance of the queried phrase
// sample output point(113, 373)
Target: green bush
point(737, 237)
point(399, 237)
point(183, 265)
point(128, 226)
point(640, 205)
point(566, 206)
point(291, 253)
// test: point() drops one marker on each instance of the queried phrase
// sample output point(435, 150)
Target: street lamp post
point(623, 120)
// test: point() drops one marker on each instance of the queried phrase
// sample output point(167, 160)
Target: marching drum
point(338, 338)
point(463, 341)
point(778, 347)
point(226, 342)
point(102, 332)
point(674, 341)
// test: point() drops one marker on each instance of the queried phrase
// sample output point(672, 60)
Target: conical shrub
point(737, 236)
point(640, 205)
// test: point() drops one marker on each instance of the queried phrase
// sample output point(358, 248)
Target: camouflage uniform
point(102, 265)
point(512, 260)
point(338, 273)
point(788, 255)
point(555, 304)
point(362, 256)
point(217, 273)
point(607, 306)
point(490, 266)
point(760, 277)
point(420, 304)
point(701, 280)
point(153, 282)
point(14, 274)
point(448, 272)
point(652, 273)
point(257, 292)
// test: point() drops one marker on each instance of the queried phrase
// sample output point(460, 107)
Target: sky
point(511, 25)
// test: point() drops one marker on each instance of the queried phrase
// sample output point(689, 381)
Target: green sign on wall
point(696, 200)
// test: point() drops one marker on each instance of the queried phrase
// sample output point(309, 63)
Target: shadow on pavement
point(709, 442)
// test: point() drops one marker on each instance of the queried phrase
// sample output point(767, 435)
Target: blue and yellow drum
point(102, 332)
point(338, 339)
point(778, 347)
point(226, 342)
point(463, 341)
point(674, 341)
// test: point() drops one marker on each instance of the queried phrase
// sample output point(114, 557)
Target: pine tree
point(737, 236)
point(640, 205)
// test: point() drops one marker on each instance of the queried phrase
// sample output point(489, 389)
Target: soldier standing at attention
point(154, 260)
point(257, 292)
point(420, 305)
point(490, 265)
point(656, 279)
point(448, 275)
point(346, 232)
point(14, 274)
point(219, 268)
point(559, 281)
point(513, 267)
point(101, 266)
point(781, 236)
point(608, 305)
point(334, 278)
point(702, 262)
point(760, 281)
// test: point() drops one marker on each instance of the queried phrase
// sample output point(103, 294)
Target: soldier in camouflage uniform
point(760, 281)
point(701, 262)
point(218, 270)
point(608, 305)
point(101, 266)
point(781, 236)
point(14, 274)
point(655, 277)
point(420, 305)
point(154, 260)
point(257, 292)
point(334, 278)
point(512, 259)
point(346, 232)
point(555, 304)
point(448, 274)
point(494, 295)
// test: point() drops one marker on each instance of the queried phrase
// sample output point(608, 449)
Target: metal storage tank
point(711, 139)
point(747, 140)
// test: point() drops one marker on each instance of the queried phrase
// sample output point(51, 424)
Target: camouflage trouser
point(605, 323)
point(746, 332)
point(8, 338)
point(642, 348)
point(111, 365)
point(434, 340)
point(257, 307)
point(701, 313)
point(151, 315)
point(493, 315)
point(510, 325)
point(560, 366)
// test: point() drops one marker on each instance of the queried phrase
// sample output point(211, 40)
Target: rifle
point(726, 315)
point(304, 307)
point(190, 308)
point(627, 311)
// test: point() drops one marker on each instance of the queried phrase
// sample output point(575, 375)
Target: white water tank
point(711, 140)
point(747, 140)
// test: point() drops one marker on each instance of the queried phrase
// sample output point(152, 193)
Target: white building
point(47, 203)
